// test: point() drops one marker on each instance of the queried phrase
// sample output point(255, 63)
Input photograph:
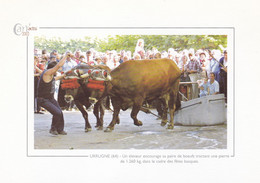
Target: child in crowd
point(203, 86)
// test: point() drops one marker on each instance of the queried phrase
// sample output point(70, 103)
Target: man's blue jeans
point(53, 107)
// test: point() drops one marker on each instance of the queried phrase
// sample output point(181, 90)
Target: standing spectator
point(139, 45)
point(105, 60)
point(171, 53)
point(54, 53)
point(125, 59)
point(164, 54)
point(177, 58)
point(213, 84)
point(36, 51)
point(183, 67)
point(44, 52)
point(157, 55)
point(89, 58)
point(203, 63)
point(129, 54)
point(68, 65)
point(46, 99)
point(137, 56)
point(82, 59)
point(52, 58)
point(223, 74)
point(193, 69)
point(213, 66)
point(37, 73)
point(122, 54)
point(98, 61)
point(112, 65)
point(142, 54)
point(77, 55)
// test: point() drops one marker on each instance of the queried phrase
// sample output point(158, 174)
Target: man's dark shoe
point(62, 133)
point(53, 132)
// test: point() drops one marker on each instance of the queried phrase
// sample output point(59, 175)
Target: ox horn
point(84, 75)
point(109, 78)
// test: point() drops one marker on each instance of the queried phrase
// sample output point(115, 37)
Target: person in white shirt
point(213, 85)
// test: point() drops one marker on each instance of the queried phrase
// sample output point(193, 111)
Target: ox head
point(71, 83)
point(97, 84)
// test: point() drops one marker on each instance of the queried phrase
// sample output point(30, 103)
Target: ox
point(75, 88)
point(134, 82)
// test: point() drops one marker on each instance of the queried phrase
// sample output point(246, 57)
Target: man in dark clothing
point(223, 74)
point(46, 88)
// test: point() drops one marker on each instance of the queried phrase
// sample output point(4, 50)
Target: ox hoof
point(109, 129)
point(88, 129)
point(99, 127)
point(139, 123)
point(170, 127)
point(163, 123)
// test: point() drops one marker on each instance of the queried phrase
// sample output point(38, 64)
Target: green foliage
point(128, 42)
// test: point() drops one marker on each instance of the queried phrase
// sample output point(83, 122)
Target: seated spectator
point(213, 85)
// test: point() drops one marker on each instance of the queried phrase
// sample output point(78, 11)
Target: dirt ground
point(126, 135)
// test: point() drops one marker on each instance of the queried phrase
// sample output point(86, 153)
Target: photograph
point(164, 89)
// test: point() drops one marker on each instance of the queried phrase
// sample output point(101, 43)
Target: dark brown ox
point(134, 82)
point(75, 88)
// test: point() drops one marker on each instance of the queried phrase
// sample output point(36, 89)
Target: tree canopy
point(128, 42)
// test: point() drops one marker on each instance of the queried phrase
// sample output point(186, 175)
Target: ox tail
point(178, 102)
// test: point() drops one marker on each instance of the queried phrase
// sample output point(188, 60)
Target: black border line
point(132, 29)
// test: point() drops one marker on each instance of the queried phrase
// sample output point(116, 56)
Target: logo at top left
point(23, 30)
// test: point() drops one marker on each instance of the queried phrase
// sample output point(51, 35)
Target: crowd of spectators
point(197, 66)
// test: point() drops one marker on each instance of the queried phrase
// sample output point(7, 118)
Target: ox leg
point(136, 108)
point(174, 99)
point(165, 100)
point(97, 110)
point(102, 113)
point(84, 114)
point(117, 106)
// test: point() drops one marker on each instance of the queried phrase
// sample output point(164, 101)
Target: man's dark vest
point(46, 90)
